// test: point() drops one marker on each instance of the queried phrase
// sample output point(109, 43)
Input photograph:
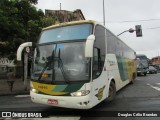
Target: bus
point(78, 65)
point(142, 64)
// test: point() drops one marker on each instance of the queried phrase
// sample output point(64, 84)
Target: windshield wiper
point(60, 65)
point(48, 63)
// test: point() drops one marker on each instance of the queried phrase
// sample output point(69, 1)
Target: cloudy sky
point(120, 15)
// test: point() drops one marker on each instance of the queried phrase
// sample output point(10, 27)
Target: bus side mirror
point(20, 49)
point(89, 46)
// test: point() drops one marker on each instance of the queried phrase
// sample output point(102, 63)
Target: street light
point(131, 30)
point(138, 30)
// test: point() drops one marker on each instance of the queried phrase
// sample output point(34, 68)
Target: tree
point(20, 21)
point(48, 21)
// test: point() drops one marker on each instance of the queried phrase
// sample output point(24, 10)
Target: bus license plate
point(51, 101)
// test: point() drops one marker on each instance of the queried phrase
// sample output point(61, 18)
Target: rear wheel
point(112, 92)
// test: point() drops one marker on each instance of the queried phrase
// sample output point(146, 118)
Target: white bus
point(78, 65)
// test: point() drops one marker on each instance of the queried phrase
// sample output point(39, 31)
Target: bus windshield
point(64, 62)
point(142, 60)
point(59, 56)
point(72, 32)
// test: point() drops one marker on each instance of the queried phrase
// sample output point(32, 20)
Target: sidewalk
point(18, 87)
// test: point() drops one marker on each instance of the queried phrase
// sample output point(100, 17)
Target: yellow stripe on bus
point(47, 88)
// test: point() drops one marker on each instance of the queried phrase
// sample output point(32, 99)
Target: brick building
point(65, 16)
point(156, 60)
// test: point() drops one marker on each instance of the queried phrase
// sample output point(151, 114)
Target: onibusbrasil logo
point(21, 115)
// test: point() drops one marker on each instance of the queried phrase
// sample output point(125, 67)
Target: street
point(143, 95)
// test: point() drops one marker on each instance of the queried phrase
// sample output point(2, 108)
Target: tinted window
point(73, 32)
point(99, 51)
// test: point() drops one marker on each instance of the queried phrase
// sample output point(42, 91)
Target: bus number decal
point(42, 87)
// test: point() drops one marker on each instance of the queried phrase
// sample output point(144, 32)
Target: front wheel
point(112, 92)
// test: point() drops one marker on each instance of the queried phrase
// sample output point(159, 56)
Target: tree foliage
point(20, 22)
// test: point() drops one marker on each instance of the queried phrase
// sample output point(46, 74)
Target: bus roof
point(69, 23)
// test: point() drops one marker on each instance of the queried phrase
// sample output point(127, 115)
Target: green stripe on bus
point(73, 87)
point(122, 68)
point(125, 69)
point(59, 88)
point(67, 88)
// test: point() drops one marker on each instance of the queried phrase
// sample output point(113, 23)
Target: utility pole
point(103, 13)
point(27, 50)
point(60, 6)
point(25, 70)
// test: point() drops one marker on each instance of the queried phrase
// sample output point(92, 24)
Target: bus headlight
point(34, 90)
point(80, 93)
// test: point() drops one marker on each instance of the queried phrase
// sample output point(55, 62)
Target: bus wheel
point(112, 92)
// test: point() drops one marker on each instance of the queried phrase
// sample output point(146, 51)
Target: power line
point(145, 20)
point(151, 28)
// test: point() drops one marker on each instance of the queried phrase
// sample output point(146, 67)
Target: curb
point(15, 93)
point(17, 88)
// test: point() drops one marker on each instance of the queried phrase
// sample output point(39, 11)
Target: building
point(156, 60)
point(65, 16)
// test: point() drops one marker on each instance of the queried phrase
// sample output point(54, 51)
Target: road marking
point(21, 96)
point(158, 83)
point(154, 87)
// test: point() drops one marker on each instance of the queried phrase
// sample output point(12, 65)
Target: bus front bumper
point(81, 102)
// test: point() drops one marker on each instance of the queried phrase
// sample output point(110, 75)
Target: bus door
point(99, 77)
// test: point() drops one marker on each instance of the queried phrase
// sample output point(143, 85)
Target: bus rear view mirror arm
point(20, 49)
point(89, 46)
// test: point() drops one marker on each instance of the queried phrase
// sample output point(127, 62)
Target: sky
point(120, 15)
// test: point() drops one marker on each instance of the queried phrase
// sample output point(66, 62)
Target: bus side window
point(99, 51)
point(96, 63)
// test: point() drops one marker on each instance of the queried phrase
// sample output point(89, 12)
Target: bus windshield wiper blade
point(62, 70)
point(44, 69)
point(47, 64)
point(60, 64)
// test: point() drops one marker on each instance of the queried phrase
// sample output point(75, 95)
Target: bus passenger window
point(96, 63)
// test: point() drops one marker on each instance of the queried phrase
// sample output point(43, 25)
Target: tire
point(112, 92)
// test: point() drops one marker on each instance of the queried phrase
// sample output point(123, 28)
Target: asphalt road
point(142, 96)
